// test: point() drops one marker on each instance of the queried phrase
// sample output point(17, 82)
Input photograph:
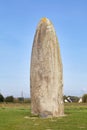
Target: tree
point(9, 99)
point(1, 98)
point(84, 98)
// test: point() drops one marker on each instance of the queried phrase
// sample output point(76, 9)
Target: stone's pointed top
point(45, 20)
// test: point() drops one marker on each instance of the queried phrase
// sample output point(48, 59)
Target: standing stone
point(46, 72)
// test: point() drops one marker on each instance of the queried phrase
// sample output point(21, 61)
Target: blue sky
point(18, 22)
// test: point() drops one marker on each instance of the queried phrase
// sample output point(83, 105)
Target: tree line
point(28, 100)
point(11, 99)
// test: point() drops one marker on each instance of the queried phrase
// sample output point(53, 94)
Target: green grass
point(18, 117)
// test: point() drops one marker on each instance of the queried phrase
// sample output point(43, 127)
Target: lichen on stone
point(44, 19)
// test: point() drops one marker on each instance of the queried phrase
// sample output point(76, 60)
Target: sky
point(18, 22)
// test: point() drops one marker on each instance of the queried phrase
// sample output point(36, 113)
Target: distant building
point(69, 99)
point(66, 101)
point(80, 100)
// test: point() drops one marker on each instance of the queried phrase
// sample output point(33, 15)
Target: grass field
point(18, 117)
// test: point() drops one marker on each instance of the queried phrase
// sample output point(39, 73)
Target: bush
point(9, 99)
point(1, 98)
point(84, 98)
